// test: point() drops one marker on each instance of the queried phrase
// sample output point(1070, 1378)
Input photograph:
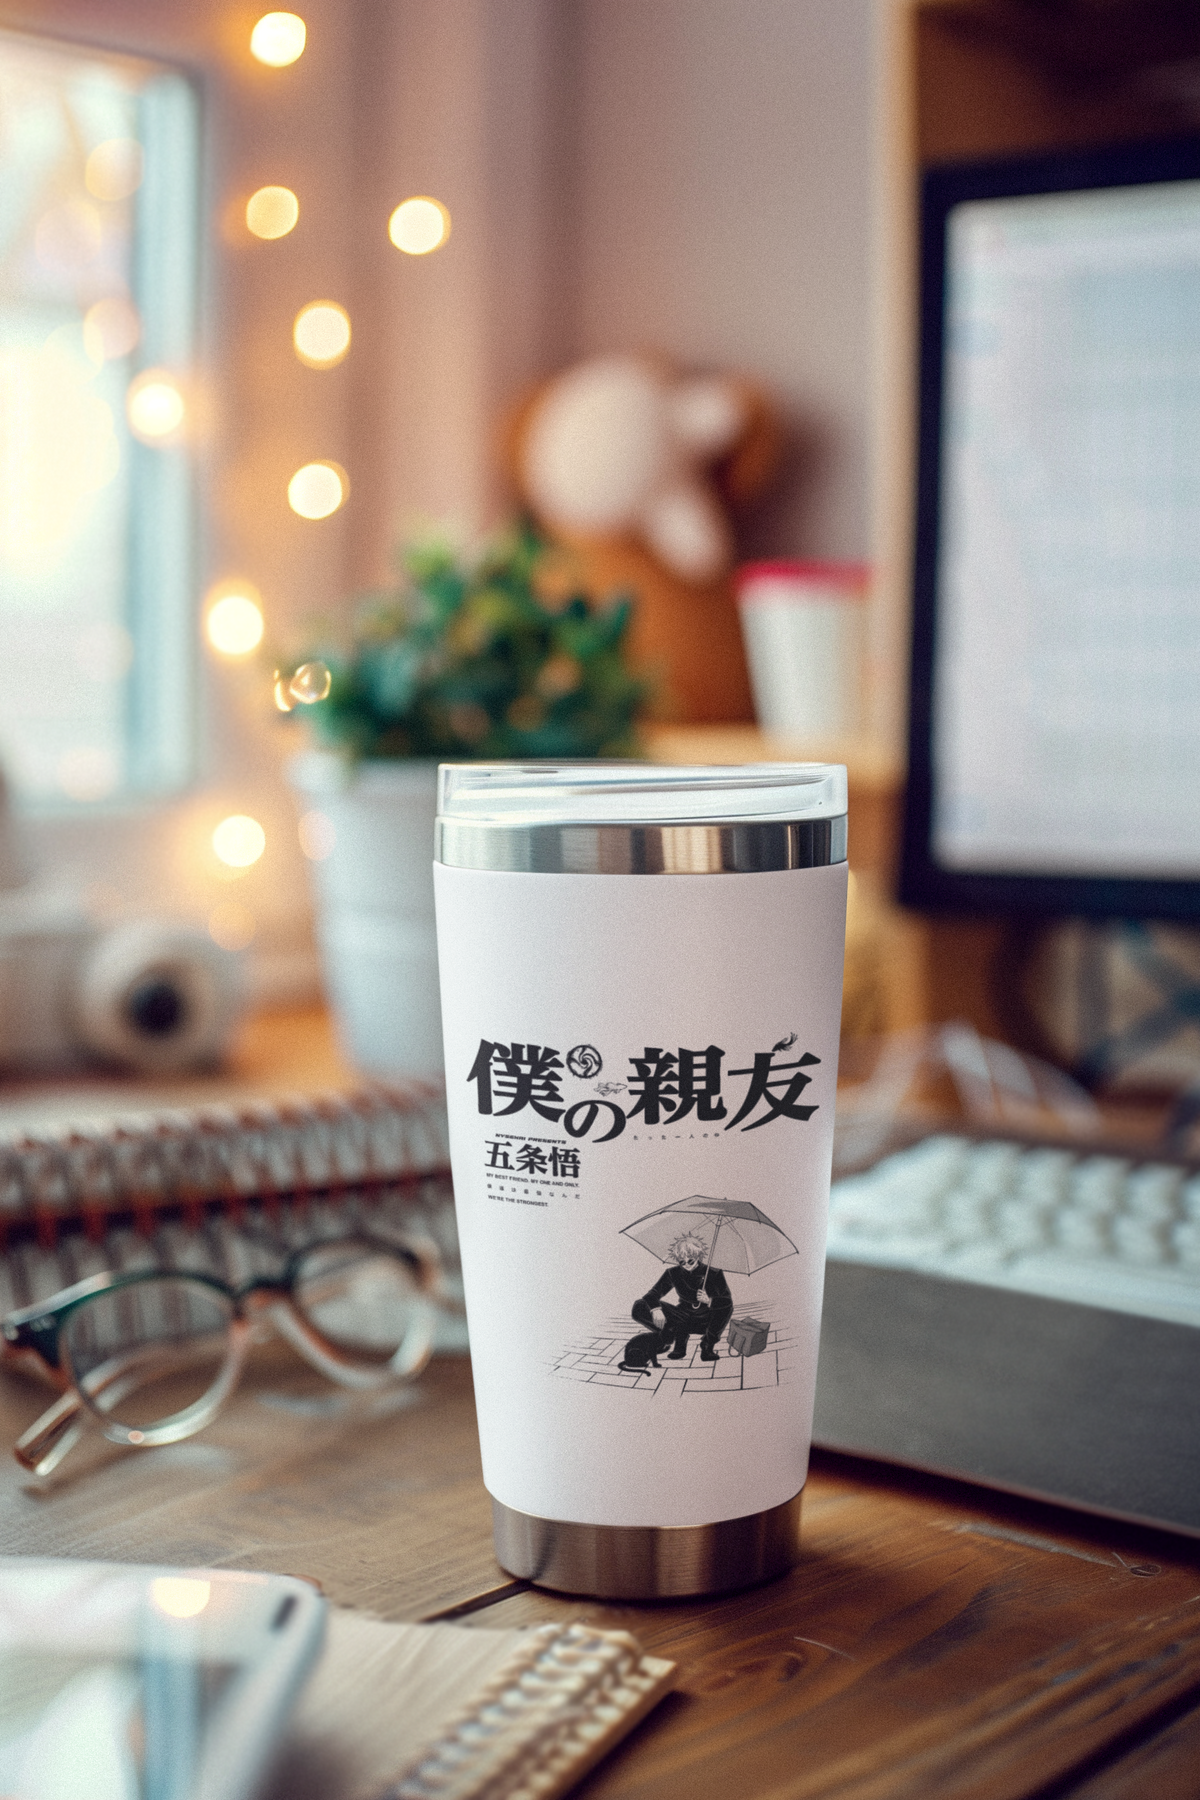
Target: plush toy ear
point(708, 416)
point(755, 456)
point(685, 526)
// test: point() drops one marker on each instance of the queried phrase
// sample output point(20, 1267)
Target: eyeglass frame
point(31, 1337)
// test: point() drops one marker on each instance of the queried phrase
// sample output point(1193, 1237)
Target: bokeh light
point(154, 406)
point(114, 169)
point(239, 841)
point(318, 835)
point(311, 682)
point(233, 622)
point(321, 334)
point(278, 39)
point(111, 329)
point(419, 225)
point(318, 489)
point(232, 926)
point(272, 212)
point(180, 1596)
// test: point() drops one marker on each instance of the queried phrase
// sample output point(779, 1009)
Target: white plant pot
point(373, 891)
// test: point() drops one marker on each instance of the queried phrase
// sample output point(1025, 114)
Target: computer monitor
point(1055, 691)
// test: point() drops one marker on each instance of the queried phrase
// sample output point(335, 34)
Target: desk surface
point(935, 1640)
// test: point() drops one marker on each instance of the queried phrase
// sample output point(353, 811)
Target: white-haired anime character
point(703, 1304)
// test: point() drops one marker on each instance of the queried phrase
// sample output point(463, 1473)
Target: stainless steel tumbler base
point(648, 1562)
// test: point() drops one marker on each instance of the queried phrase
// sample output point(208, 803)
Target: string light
point(272, 212)
point(419, 225)
point(239, 841)
point(278, 39)
point(321, 334)
point(154, 406)
point(234, 620)
point(318, 489)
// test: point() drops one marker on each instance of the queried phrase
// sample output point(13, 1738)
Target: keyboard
point(1099, 1230)
point(1022, 1315)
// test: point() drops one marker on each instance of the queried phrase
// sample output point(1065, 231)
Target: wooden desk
point(935, 1640)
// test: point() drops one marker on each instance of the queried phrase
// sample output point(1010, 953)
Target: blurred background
point(685, 177)
point(279, 290)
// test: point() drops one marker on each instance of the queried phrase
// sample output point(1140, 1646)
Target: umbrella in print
point(743, 1239)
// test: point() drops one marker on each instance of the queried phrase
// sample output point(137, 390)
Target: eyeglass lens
point(361, 1299)
point(148, 1351)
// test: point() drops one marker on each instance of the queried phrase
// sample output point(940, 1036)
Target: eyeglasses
point(152, 1356)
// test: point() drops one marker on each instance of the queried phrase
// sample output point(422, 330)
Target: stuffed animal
point(632, 466)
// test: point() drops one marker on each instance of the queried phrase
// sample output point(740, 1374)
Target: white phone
point(120, 1682)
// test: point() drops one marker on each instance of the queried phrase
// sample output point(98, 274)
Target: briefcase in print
point(747, 1336)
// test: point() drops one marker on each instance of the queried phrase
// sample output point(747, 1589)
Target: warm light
point(58, 448)
point(111, 329)
point(234, 621)
point(114, 169)
point(278, 39)
point(318, 489)
point(239, 841)
point(154, 405)
point(419, 225)
point(180, 1596)
point(231, 926)
point(272, 212)
point(321, 334)
point(318, 835)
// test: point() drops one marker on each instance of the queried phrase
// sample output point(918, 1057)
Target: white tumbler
point(641, 971)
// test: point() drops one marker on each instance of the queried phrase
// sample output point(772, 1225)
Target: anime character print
point(699, 1239)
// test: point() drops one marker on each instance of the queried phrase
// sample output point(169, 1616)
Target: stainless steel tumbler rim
point(749, 847)
point(648, 1562)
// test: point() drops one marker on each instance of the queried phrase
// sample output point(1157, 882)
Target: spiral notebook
point(221, 1188)
point(410, 1712)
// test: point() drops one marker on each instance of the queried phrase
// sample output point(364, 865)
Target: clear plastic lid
point(629, 793)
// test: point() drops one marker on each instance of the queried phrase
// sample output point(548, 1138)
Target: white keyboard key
point(1185, 1242)
point(1137, 1242)
point(1044, 1177)
point(1152, 1193)
point(1098, 1184)
point(1083, 1233)
point(1022, 1227)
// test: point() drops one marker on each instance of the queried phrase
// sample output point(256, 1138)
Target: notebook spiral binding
point(537, 1726)
point(227, 1189)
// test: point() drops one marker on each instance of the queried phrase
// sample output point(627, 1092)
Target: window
point(98, 248)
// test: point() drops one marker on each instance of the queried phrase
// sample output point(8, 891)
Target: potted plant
point(489, 658)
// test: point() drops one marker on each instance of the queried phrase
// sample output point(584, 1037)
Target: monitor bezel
point(925, 883)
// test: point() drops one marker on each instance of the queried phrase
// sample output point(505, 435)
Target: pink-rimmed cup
point(804, 627)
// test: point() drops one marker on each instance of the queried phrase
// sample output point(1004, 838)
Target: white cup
point(641, 987)
point(804, 627)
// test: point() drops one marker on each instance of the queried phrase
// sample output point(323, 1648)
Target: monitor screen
point(1055, 710)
